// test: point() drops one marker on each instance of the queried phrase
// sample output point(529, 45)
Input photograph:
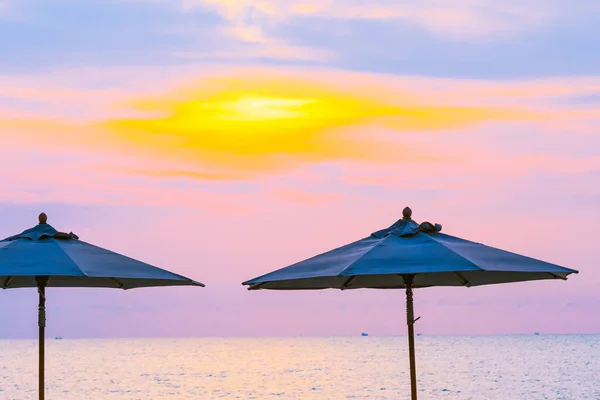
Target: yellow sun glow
point(256, 124)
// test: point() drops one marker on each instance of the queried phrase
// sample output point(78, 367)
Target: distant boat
point(364, 334)
point(536, 333)
point(419, 334)
point(58, 338)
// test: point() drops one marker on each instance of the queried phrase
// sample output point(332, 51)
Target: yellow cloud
point(254, 124)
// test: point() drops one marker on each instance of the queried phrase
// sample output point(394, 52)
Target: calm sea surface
point(481, 367)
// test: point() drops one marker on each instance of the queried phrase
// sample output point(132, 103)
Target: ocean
point(554, 367)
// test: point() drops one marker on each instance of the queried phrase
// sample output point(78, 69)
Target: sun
point(258, 108)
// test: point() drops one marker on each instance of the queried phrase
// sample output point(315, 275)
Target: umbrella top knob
point(406, 213)
point(43, 218)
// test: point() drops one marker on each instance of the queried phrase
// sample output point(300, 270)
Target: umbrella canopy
point(383, 259)
point(408, 255)
point(42, 256)
point(42, 251)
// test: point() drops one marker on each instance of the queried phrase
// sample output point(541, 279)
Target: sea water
point(466, 367)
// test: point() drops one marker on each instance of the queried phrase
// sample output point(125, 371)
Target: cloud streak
point(271, 50)
point(251, 21)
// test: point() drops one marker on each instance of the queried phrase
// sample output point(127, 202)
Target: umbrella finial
point(406, 213)
point(43, 218)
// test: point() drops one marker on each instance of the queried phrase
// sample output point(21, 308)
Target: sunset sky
point(222, 139)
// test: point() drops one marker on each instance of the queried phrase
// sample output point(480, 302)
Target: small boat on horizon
point(536, 333)
point(364, 334)
point(58, 338)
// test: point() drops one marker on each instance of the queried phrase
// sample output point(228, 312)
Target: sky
point(223, 139)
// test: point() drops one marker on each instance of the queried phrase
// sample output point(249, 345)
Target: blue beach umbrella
point(43, 257)
point(406, 256)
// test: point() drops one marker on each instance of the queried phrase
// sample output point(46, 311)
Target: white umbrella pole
point(41, 281)
point(410, 321)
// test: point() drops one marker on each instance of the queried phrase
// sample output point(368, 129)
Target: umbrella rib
point(117, 282)
point(557, 276)
point(362, 255)
point(255, 286)
point(7, 282)
point(346, 284)
point(463, 280)
point(456, 253)
point(71, 258)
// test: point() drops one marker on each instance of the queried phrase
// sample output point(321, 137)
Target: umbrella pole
point(41, 281)
point(410, 321)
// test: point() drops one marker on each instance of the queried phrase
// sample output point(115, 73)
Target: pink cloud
point(266, 51)
point(461, 19)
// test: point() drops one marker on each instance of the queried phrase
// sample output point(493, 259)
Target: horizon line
point(302, 336)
